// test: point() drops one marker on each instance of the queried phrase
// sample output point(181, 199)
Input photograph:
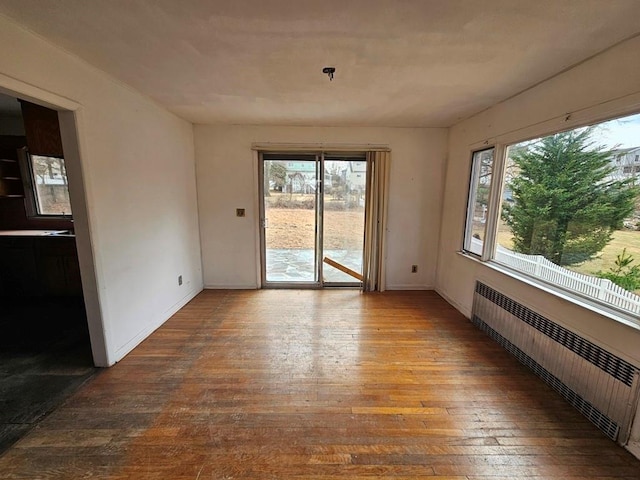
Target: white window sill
point(599, 308)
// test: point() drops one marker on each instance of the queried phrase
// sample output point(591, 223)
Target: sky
point(620, 133)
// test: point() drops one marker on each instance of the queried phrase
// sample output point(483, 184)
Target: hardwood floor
point(45, 355)
point(317, 384)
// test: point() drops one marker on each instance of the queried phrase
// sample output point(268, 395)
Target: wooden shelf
point(10, 179)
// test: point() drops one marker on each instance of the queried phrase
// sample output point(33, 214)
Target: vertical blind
point(378, 167)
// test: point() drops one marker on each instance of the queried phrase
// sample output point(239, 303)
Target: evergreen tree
point(566, 203)
point(278, 174)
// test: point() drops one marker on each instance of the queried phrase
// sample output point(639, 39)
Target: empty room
point(320, 239)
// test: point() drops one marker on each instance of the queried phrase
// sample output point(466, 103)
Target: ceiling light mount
point(329, 71)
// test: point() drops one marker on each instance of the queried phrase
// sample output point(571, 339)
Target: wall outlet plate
point(179, 279)
point(239, 212)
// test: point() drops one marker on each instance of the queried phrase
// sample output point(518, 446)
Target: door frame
point(70, 116)
point(319, 222)
point(317, 283)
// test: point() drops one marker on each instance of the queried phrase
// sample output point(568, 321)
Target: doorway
point(312, 217)
point(45, 344)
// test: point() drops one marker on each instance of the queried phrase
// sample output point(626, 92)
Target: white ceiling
point(399, 62)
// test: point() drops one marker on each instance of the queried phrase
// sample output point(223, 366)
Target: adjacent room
point(322, 239)
point(45, 349)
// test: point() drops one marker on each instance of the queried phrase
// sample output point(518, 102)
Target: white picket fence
point(593, 287)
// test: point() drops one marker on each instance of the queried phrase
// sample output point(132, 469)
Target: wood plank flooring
point(279, 384)
point(44, 357)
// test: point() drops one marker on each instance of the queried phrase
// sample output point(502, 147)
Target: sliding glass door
point(312, 219)
point(343, 203)
point(290, 198)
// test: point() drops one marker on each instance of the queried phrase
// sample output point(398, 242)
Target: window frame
point(495, 192)
point(31, 198)
point(474, 177)
point(590, 116)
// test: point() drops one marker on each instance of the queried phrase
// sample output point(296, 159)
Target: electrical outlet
point(414, 268)
point(179, 280)
point(239, 212)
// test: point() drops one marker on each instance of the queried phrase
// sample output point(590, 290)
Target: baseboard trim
point(125, 349)
point(634, 448)
point(464, 311)
point(409, 287)
point(227, 286)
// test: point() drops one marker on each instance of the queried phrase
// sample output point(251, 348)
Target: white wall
point(137, 169)
point(612, 77)
point(227, 179)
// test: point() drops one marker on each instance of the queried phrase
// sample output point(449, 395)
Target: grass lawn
point(605, 259)
point(291, 220)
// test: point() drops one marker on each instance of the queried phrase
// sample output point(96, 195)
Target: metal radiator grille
point(602, 386)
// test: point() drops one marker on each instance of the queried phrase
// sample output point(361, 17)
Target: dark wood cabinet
point(58, 266)
point(42, 129)
point(18, 269)
point(39, 266)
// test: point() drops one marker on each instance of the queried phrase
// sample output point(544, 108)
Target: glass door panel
point(343, 219)
point(290, 219)
point(313, 219)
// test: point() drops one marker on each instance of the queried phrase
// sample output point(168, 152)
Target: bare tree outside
point(51, 185)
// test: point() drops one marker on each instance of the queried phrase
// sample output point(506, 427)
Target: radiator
point(602, 386)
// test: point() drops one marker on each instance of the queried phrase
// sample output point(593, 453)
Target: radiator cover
point(602, 386)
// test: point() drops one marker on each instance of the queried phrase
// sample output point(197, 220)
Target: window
point(569, 213)
point(47, 188)
point(480, 186)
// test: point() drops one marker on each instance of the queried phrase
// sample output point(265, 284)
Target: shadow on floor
point(45, 355)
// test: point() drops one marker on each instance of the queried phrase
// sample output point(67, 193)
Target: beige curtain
point(375, 221)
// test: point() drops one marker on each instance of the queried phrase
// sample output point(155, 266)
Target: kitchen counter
point(35, 233)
